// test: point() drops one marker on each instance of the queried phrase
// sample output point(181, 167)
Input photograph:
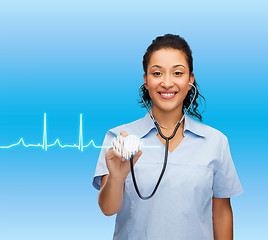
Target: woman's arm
point(222, 216)
point(110, 197)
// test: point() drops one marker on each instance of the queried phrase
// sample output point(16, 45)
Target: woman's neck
point(167, 119)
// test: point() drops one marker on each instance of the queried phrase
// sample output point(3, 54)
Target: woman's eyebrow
point(178, 65)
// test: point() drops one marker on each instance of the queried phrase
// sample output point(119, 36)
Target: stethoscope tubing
point(166, 148)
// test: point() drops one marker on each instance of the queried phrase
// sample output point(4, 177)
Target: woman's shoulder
point(205, 130)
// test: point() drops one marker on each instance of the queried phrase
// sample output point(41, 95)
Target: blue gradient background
point(64, 58)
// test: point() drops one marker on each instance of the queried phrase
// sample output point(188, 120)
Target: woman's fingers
point(118, 144)
point(111, 153)
point(124, 134)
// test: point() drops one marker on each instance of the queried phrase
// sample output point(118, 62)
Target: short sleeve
point(101, 168)
point(226, 183)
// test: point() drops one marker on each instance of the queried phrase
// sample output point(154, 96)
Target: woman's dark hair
point(175, 42)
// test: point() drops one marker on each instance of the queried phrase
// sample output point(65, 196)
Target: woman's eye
point(157, 73)
point(178, 73)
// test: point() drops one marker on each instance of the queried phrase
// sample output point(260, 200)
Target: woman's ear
point(145, 81)
point(191, 80)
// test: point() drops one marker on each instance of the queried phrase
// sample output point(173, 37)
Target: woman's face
point(168, 78)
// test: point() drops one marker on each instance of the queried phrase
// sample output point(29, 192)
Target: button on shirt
point(201, 167)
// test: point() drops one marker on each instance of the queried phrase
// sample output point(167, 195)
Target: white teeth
point(167, 94)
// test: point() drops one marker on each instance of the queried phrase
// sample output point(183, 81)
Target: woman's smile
point(167, 94)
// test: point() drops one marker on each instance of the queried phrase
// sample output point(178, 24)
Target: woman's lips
point(167, 95)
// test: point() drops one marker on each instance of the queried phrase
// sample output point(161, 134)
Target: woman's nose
point(167, 81)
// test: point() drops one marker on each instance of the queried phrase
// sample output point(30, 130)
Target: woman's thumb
point(137, 156)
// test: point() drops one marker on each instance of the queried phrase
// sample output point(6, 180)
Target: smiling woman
point(193, 199)
point(166, 81)
point(172, 42)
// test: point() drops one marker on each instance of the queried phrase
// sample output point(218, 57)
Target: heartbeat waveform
point(80, 145)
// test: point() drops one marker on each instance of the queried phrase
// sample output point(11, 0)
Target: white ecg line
point(80, 146)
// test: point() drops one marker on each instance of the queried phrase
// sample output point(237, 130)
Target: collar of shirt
point(190, 125)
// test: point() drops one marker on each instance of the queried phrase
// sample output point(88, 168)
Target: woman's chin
point(168, 107)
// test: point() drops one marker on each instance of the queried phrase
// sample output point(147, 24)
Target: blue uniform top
point(201, 167)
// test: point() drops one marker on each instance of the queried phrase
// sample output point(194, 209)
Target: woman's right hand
point(118, 167)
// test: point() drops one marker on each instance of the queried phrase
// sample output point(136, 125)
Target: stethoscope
point(166, 147)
